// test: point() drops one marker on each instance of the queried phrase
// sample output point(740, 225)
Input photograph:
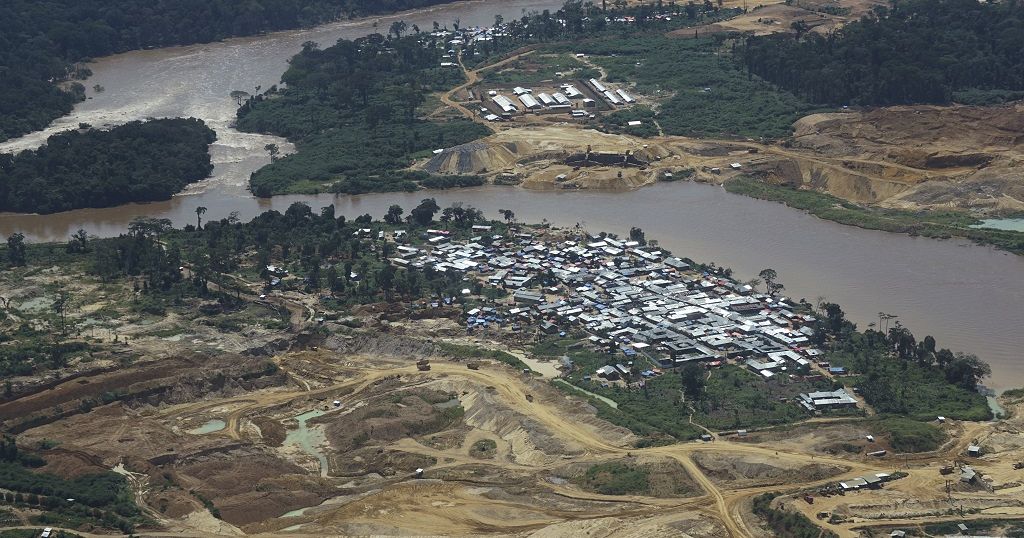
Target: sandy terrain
point(921, 156)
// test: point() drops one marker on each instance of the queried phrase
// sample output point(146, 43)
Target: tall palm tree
point(199, 217)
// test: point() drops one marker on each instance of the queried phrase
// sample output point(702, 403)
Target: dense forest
point(40, 41)
point(135, 162)
point(352, 111)
point(914, 51)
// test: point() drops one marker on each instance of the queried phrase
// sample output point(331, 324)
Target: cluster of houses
point(524, 98)
point(637, 301)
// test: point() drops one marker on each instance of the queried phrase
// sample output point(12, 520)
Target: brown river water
point(970, 298)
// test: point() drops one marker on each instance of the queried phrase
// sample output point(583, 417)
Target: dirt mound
point(682, 527)
point(736, 470)
point(476, 158)
point(607, 178)
point(404, 414)
point(379, 346)
point(70, 464)
point(482, 474)
point(910, 134)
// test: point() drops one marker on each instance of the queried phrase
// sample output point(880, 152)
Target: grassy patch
point(997, 527)
point(483, 449)
point(618, 122)
point(701, 90)
point(616, 479)
point(732, 398)
point(906, 435)
point(553, 346)
point(937, 224)
point(1014, 393)
point(26, 350)
point(538, 68)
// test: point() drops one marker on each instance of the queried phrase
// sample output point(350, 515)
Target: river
point(969, 297)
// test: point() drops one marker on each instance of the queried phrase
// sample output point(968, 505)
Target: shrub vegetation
point(351, 110)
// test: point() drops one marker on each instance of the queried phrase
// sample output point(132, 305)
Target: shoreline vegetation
point(135, 162)
point(932, 224)
point(44, 46)
point(353, 112)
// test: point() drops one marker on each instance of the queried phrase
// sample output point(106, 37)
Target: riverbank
point(950, 287)
point(932, 224)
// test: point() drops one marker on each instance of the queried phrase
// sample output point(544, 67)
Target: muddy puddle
point(308, 439)
point(210, 426)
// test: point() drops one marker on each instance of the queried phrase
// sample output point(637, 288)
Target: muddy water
point(309, 440)
point(971, 298)
point(214, 425)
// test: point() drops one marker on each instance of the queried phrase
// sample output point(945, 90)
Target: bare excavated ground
point(902, 157)
point(926, 494)
point(273, 453)
point(765, 18)
point(914, 157)
point(251, 433)
point(923, 156)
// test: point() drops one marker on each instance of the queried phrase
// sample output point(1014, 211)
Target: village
point(648, 310)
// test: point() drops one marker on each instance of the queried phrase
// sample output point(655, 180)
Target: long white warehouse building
point(529, 101)
point(505, 104)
